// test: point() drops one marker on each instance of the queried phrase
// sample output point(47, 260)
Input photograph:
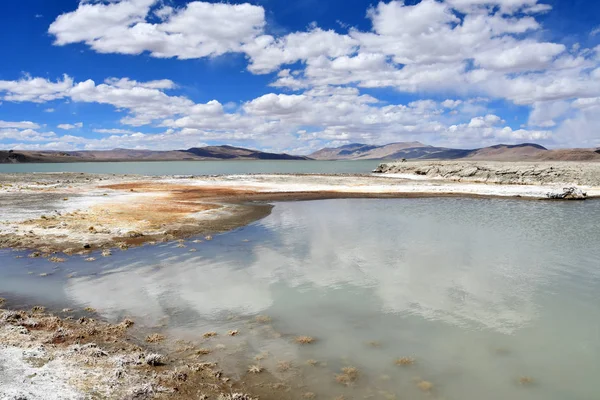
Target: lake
point(484, 299)
point(201, 167)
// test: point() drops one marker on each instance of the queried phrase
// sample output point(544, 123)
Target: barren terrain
point(77, 213)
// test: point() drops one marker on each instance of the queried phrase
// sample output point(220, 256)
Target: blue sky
point(298, 76)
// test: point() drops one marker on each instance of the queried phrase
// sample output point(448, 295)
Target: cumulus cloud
point(38, 90)
point(318, 116)
point(68, 127)
point(459, 50)
point(27, 135)
point(199, 29)
point(114, 131)
point(489, 130)
point(19, 125)
point(267, 53)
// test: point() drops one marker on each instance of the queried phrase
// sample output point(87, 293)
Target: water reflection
point(456, 281)
point(414, 259)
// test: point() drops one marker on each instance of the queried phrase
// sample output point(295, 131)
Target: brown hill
point(359, 151)
point(417, 150)
point(193, 154)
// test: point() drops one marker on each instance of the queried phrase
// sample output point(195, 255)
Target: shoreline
point(77, 213)
point(71, 355)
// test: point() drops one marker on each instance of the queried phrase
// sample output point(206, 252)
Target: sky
point(296, 76)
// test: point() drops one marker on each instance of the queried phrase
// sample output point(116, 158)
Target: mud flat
point(77, 213)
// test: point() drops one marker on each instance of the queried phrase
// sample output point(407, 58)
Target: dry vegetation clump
point(89, 309)
point(90, 259)
point(526, 380)
point(405, 361)
point(155, 338)
point(305, 339)
point(425, 386)
point(127, 323)
point(235, 396)
point(57, 259)
point(284, 366)
point(263, 319)
point(233, 332)
point(106, 253)
point(309, 395)
point(348, 376)
point(255, 369)
point(2, 301)
point(209, 334)
point(203, 351)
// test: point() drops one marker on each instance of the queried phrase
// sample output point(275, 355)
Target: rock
point(568, 193)
point(468, 172)
point(154, 360)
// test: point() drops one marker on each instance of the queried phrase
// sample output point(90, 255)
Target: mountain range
point(193, 154)
point(354, 151)
point(418, 150)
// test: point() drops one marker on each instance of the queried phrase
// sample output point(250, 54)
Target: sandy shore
point(79, 213)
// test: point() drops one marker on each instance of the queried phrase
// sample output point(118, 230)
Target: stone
point(568, 193)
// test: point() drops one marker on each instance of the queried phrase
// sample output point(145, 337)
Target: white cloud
point(267, 53)
point(460, 50)
point(451, 103)
point(315, 117)
point(506, 6)
point(38, 90)
point(200, 29)
point(28, 135)
point(19, 125)
point(544, 114)
point(68, 127)
point(519, 55)
point(145, 101)
point(488, 130)
point(114, 131)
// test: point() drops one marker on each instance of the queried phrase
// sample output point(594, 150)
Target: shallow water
point(480, 292)
point(202, 167)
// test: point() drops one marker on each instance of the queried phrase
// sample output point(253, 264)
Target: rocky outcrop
point(515, 173)
point(569, 193)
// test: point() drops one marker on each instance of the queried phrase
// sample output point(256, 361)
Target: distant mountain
point(417, 150)
point(230, 153)
point(193, 154)
point(353, 151)
point(359, 151)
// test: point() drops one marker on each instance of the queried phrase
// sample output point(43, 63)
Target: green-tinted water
point(481, 293)
point(201, 167)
